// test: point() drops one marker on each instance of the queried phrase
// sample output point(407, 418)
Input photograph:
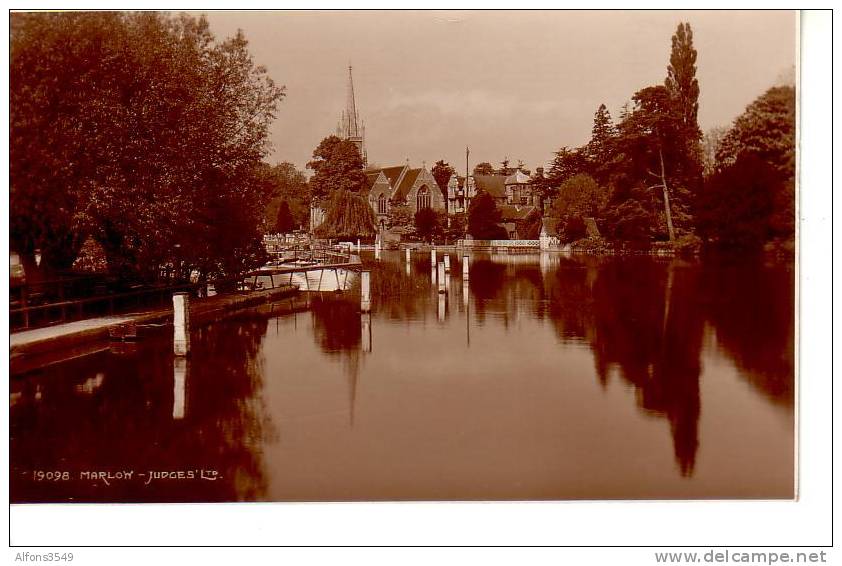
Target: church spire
point(350, 125)
point(351, 108)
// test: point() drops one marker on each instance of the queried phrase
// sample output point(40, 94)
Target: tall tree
point(338, 166)
point(567, 162)
point(442, 172)
point(484, 218)
point(504, 167)
point(138, 129)
point(651, 137)
point(681, 81)
point(601, 136)
point(484, 168)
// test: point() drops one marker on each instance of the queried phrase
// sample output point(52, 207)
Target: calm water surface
point(542, 377)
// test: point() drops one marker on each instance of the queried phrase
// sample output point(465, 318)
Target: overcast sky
point(505, 83)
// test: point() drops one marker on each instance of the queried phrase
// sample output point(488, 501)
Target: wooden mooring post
point(447, 263)
point(441, 278)
point(181, 323)
point(365, 291)
point(465, 266)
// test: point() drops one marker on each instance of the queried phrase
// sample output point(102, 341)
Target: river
point(541, 377)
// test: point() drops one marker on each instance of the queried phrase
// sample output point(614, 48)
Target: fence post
point(181, 323)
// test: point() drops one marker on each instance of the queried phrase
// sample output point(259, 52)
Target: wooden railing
point(49, 302)
point(498, 243)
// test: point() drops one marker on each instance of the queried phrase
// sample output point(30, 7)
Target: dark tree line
point(656, 180)
point(142, 131)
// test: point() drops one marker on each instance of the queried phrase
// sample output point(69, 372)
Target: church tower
point(350, 126)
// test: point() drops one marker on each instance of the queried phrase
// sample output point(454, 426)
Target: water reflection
point(146, 411)
point(552, 377)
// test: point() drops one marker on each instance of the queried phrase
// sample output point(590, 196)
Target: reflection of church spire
point(350, 126)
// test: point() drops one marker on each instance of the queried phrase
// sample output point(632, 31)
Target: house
point(514, 195)
point(392, 186)
point(459, 194)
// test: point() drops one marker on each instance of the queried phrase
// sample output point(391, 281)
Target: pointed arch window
point(423, 198)
point(381, 204)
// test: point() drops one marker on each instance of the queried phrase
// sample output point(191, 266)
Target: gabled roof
point(406, 184)
point(515, 212)
point(550, 226)
point(372, 177)
point(518, 178)
point(495, 185)
point(393, 173)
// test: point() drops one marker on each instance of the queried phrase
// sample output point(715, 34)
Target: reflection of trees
point(752, 308)
point(127, 422)
point(647, 323)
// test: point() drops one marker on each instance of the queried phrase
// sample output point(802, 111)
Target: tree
point(681, 82)
point(288, 185)
point(579, 196)
point(348, 215)
point(138, 129)
point(427, 224)
point(736, 204)
point(284, 222)
point(442, 172)
point(338, 166)
point(484, 218)
point(484, 168)
point(399, 216)
point(504, 168)
point(602, 134)
point(766, 129)
point(650, 137)
point(567, 162)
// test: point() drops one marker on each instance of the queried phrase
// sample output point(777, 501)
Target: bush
point(574, 229)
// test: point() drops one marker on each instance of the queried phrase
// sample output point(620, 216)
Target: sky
point(516, 84)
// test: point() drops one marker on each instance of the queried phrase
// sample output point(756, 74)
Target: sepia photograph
point(403, 256)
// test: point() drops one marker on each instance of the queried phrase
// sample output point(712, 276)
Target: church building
point(402, 185)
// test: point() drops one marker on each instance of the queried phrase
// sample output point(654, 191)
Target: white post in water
point(433, 257)
point(465, 267)
point(181, 323)
point(358, 244)
point(179, 387)
point(441, 278)
point(447, 263)
point(365, 291)
point(408, 254)
point(365, 321)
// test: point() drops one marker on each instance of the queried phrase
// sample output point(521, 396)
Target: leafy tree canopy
point(484, 218)
point(142, 130)
point(766, 129)
point(338, 166)
point(484, 168)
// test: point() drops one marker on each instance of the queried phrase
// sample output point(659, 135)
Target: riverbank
point(31, 347)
